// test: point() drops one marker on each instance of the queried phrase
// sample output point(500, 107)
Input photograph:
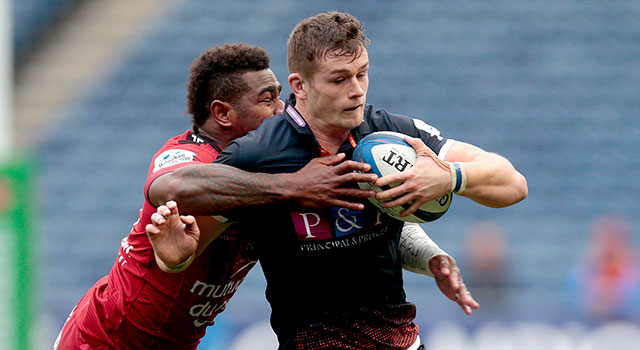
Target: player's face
point(261, 101)
point(338, 90)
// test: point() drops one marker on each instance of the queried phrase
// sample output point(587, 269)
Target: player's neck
point(220, 141)
point(328, 143)
point(329, 138)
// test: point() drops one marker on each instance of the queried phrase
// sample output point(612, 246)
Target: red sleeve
point(174, 155)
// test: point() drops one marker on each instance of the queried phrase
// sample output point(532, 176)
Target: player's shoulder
point(184, 148)
point(272, 126)
point(379, 119)
point(275, 139)
point(271, 131)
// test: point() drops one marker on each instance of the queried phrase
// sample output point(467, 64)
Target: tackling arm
point(207, 189)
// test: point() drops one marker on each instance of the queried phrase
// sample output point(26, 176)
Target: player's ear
point(221, 112)
point(297, 85)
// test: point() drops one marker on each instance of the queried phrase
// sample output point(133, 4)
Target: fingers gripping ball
point(388, 153)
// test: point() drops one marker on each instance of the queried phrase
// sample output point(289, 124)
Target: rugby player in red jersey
point(138, 305)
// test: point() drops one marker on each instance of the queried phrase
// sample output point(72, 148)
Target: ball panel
point(392, 158)
point(388, 153)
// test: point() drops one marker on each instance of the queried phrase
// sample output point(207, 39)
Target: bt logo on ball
point(396, 160)
point(388, 154)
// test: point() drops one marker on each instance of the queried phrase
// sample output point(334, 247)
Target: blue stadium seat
point(31, 18)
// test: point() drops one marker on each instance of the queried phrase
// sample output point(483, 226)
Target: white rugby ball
point(388, 153)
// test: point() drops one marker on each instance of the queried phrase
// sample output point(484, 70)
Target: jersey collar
point(294, 117)
point(298, 122)
point(196, 137)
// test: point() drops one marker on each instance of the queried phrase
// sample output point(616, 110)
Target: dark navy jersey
point(328, 270)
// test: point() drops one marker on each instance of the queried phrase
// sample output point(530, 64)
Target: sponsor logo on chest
point(335, 228)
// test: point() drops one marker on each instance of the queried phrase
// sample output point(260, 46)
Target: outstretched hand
point(449, 280)
point(428, 179)
point(323, 183)
point(174, 237)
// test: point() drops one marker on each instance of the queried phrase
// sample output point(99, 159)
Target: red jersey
point(137, 305)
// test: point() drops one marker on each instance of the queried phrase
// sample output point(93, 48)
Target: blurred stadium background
point(554, 86)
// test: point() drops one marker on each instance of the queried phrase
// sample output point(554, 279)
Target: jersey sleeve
point(432, 138)
point(244, 153)
point(172, 157)
point(230, 155)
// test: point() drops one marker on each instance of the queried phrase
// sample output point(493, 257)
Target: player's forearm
point(492, 180)
point(208, 189)
point(416, 249)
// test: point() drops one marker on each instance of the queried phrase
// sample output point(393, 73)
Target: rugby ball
point(388, 153)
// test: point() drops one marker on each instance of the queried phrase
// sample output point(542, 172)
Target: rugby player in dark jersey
point(334, 276)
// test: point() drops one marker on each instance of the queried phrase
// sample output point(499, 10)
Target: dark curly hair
point(216, 75)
